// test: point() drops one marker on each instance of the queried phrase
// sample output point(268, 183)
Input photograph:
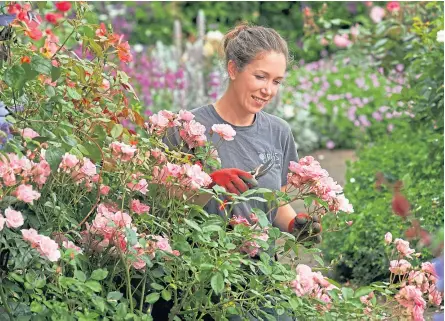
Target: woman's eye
point(259, 77)
point(277, 82)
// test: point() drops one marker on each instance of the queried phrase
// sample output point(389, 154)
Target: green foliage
point(416, 158)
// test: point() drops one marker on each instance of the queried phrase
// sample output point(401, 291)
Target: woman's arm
point(284, 215)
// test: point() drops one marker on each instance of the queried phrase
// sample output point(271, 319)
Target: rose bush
point(100, 222)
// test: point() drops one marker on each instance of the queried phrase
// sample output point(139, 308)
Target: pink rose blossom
point(399, 267)
point(186, 115)
point(403, 247)
point(31, 236)
point(71, 245)
point(14, 219)
point(224, 130)
point(29, 133)
point(140, 186)
point(68, 161)
point(88, 168)
point(104, 189)
point(48, 248)
point(377, 14)
point(26, 194)
point(342, 41)
point(138, 207)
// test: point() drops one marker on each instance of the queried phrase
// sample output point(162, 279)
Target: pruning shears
point(262, 169)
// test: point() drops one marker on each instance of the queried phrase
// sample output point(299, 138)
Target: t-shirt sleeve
point(290, 154)
point(172, 138)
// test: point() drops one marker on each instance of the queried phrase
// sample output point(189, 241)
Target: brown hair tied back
point(243, 43)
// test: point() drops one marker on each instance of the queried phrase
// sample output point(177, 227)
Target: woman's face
point(258, 83)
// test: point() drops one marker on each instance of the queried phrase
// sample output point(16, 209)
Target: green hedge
point(416, 158)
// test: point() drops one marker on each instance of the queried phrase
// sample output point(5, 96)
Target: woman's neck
point(229, 109)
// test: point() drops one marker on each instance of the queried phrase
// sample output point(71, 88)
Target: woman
point(256, 59)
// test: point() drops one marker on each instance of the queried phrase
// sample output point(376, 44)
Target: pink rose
point(224, 130)
point(29, 133)
point(88, 168)
point(48, 248)
point(138, 207)
point(388, 238)
point(140, 186)
point(403, 247)
point(399, 267)
point(377, 14)
point(186, 115)
point(14, 219)
point(71, 245)
point(31, 236)
point(26, 194)
point(342, 41)
point(349, 223)
point(68, 161)
point(104, 189)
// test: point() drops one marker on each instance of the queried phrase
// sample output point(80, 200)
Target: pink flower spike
point(14, 219)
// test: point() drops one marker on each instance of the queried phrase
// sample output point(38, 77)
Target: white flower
point(138, 47)
point(214, 36)
point(289, 111)
point(440, 36)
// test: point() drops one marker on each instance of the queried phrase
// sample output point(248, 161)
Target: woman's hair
point(244, 43)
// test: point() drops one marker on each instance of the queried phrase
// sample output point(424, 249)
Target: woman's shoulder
point(205, 109)
point(276, 122)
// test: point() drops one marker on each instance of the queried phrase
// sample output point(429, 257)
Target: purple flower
point(390, 128)
point(377, 116)
point(330, 144)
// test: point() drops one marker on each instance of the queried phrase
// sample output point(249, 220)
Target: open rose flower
point(224, 130)
point(14, 219)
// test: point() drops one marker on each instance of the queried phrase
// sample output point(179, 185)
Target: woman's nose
point(266, 90)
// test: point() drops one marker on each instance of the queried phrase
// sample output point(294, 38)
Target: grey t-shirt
point(269, 137)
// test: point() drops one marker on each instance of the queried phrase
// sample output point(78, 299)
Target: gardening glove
point(233, 180)
point(306, 228)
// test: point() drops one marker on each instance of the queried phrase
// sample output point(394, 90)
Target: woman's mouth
point(259, 101)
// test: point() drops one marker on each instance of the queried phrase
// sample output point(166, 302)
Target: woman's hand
point(233, 180)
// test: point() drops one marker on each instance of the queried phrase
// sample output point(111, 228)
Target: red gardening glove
point(233, 180)
point(306, 228)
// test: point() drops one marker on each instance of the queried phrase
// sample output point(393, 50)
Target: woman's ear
point(231, 69)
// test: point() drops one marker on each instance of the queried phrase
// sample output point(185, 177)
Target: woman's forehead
point(272, 63)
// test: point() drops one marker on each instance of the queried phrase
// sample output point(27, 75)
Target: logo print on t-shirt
point(264, 157)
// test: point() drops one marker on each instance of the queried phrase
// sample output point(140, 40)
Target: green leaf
point(50, 91)
point(114, 296)
point(73, 93)
point(54, 156)
point(36, 307)
point(80, 276)
point(55, 73)
point(262, 218)
point(166, 295)
point(41, 65)
point(365, 290)
point(217, 282)
point(152, 297)
point(192, 224)
point(117, 130)
point(15, 77)
point(96, 48)
point(156, 286)
point(94, 285)
point(318, 259)
point(99, 274)
point(347, 293)
point(211, 228)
